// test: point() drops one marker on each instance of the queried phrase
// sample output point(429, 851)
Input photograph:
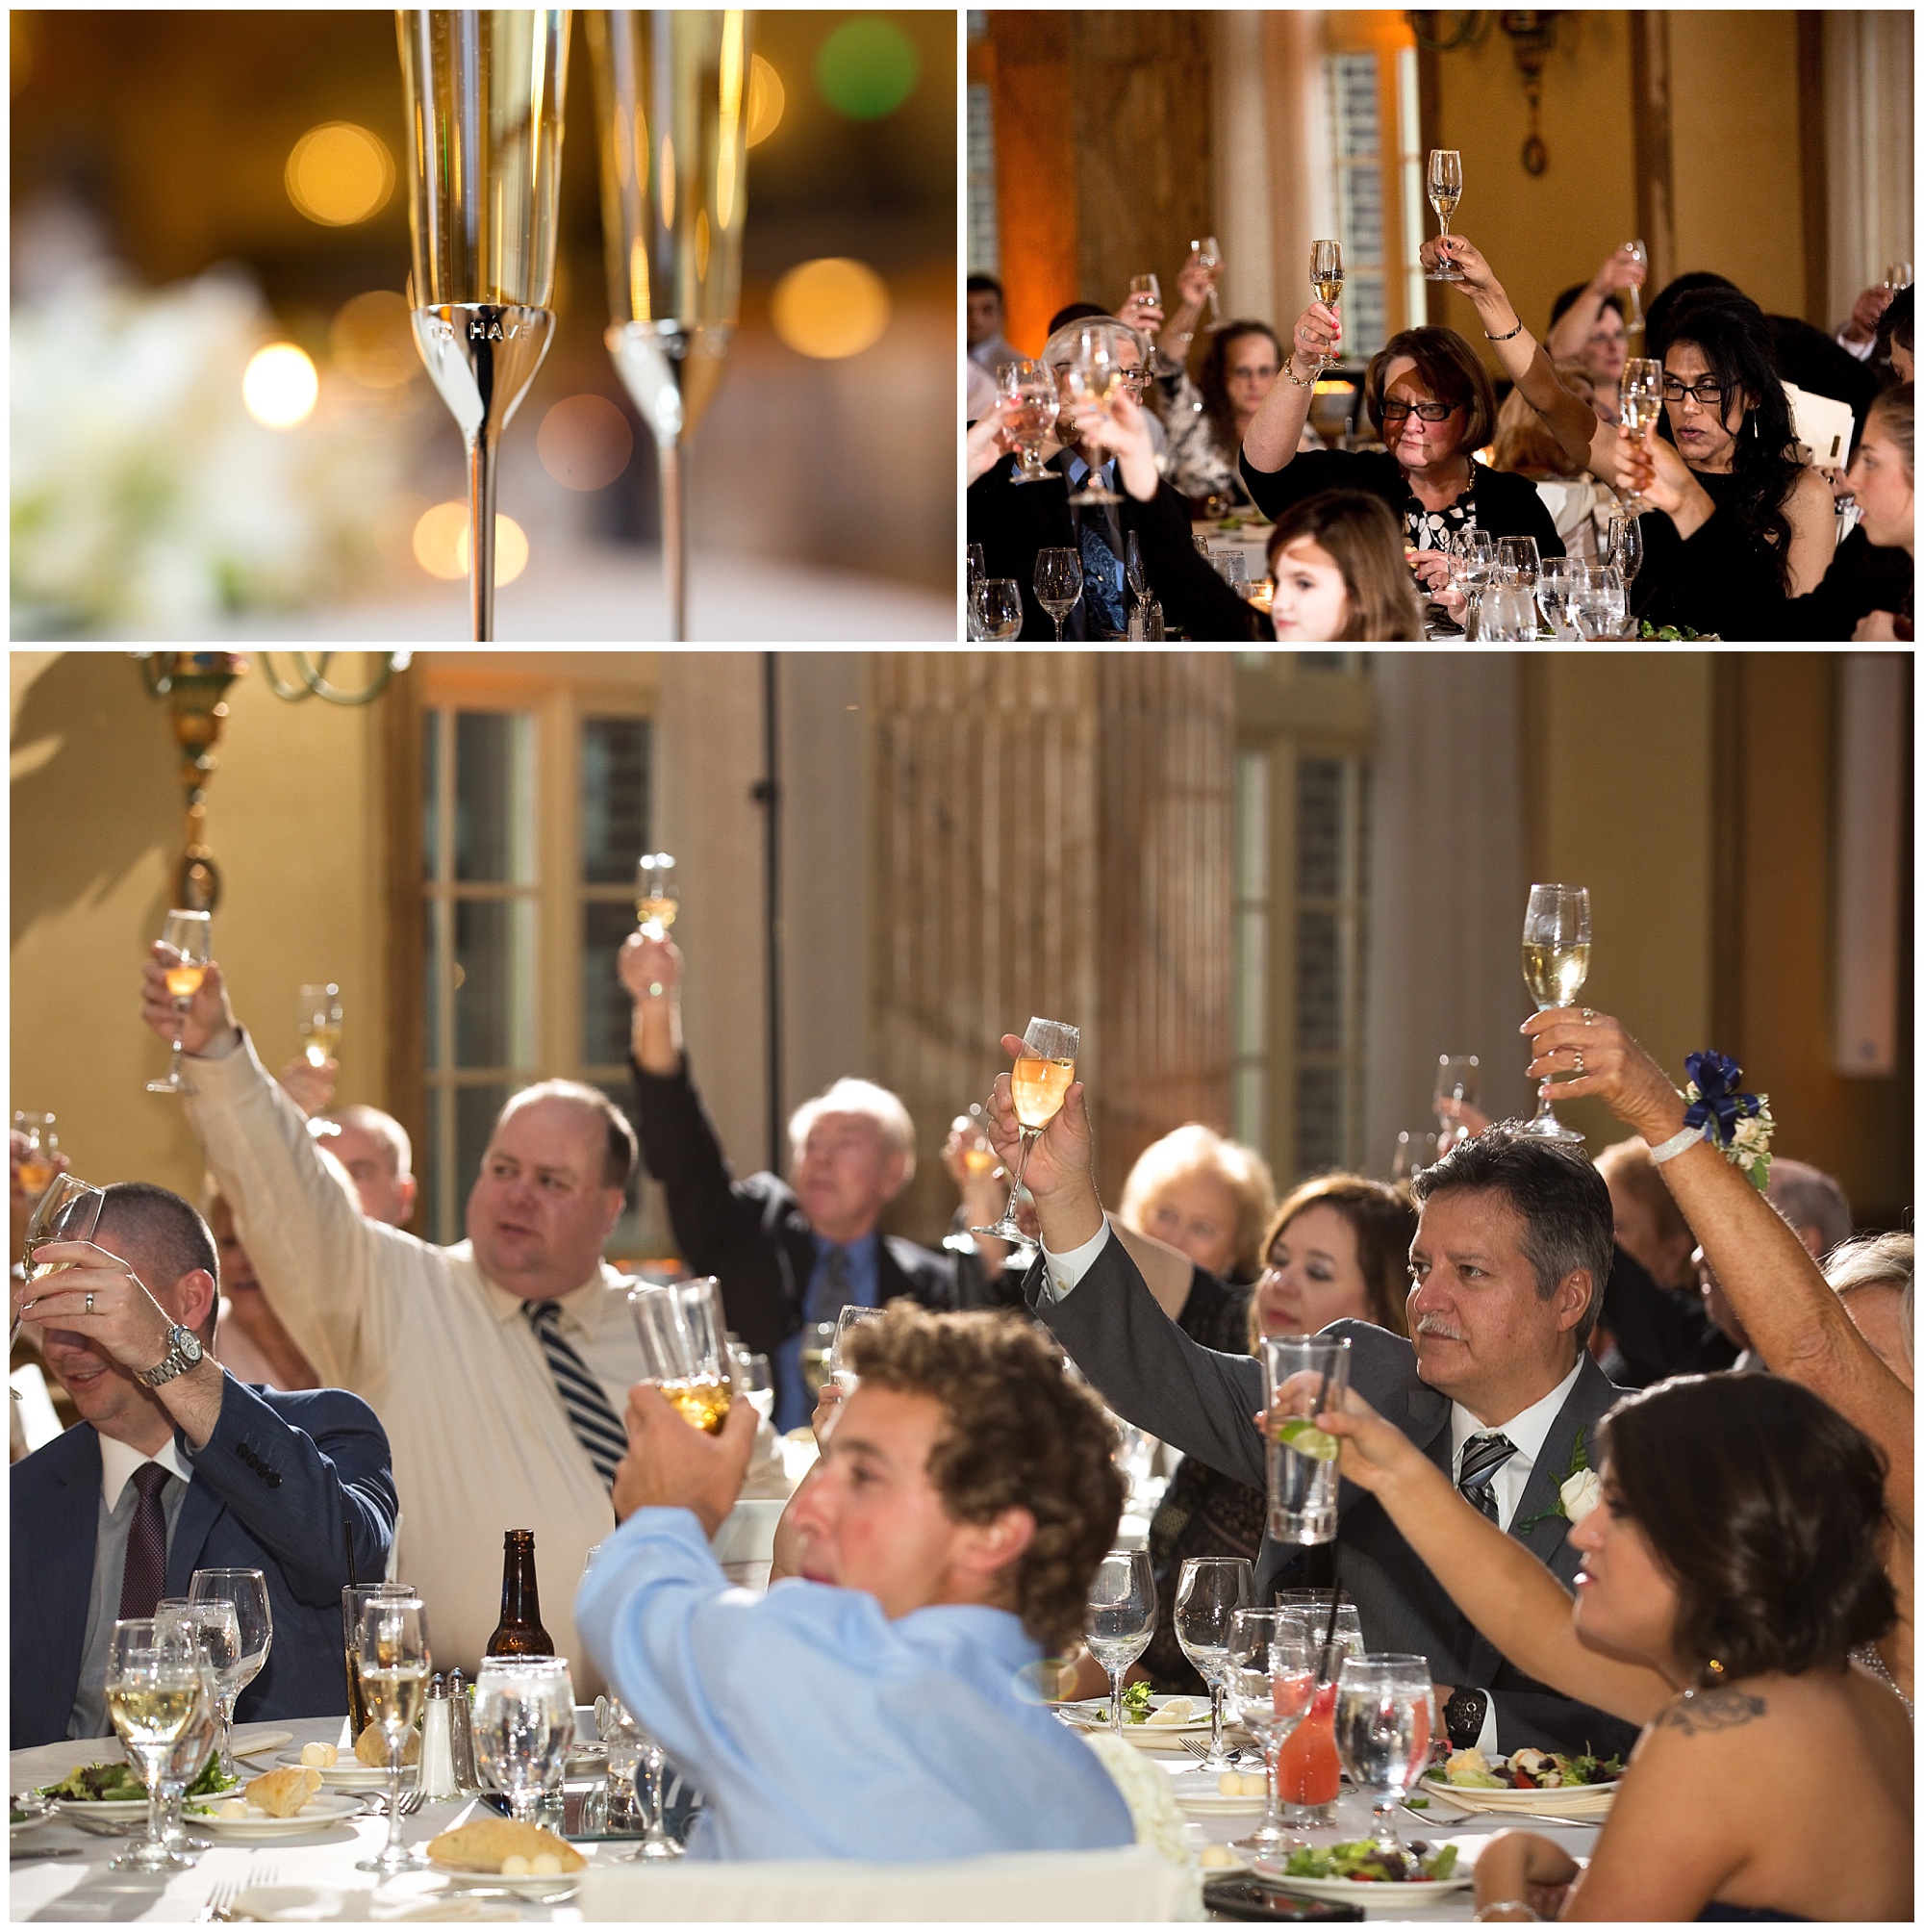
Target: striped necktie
point(596, 1424)
point(146, 1573)
point(1482, 1457)
point(832, 1289)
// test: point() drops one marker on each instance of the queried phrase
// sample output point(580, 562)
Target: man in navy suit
point(176, 1466)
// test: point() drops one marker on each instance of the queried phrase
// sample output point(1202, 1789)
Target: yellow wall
point(1736, 169)
point(1623, 806)
point(1542, 232)
point(96, 833)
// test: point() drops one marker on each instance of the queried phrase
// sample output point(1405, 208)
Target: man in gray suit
point(1512, 1247)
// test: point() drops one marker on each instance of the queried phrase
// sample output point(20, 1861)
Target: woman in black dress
point(1339, 1245)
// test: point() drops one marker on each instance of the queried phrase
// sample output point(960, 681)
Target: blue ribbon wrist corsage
point(1737, 1122)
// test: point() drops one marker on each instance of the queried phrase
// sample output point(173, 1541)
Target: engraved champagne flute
point(1445, 186)
point(1556, 963)
point(484, 98)
point(1042, 1075)
point(670, 96)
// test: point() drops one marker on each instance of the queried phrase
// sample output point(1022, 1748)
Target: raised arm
point(1277, 429)
point(1571, 330)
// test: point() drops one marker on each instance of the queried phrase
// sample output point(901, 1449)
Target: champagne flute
point(1270, 1679)
point(1639, 404)
point(156, 1693)
point(1445, 186)
point(1042, 1075)
point(1135, 570)
point(1209, 258)
point(1382, 1734)
point(1122, 1619)
point(670, 96)
point(1898, 275)
point(997, 610)
point(392, 1646)
point(1458, 1077)
point(1146, 285)
point(319, 1023)
point(524, 1724)
point(1059, 583)
point(1092, 377)
point(979, 568)
point(1556, 963)
point(40, 1132)
point(1326, 277)
point(1208, 1593)
point(189, 933)
point(1030, 387)
point(483, 94)
point(1622, 547)
point(657, 893)
point(246, 1590)
point(1640, 255)
point(846, 1322)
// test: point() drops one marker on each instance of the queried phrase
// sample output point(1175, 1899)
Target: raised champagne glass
point(40, 1132)
point(670, 97)
point(1639, 404)
point(1209, 258)
point(1030, 388)
point(657, 893)
point(484, 91)
point(1092, 377)
point(1556, 963)
point(1444, 184)
point(1042, 1075)
point(1326, 277)
point(1640, 255)
point(188, 933)
point(319, 1023)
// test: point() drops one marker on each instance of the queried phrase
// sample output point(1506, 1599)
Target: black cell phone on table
point(1237, 1895)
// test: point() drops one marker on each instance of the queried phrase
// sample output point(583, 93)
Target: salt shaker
point(461, 1732)
point(436, 1763)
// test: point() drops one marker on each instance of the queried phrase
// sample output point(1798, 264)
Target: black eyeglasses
point(1709, 393)
point(1428, 412)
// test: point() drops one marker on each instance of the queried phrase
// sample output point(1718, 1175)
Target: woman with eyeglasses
point(1431, 402)
point(1745, 527)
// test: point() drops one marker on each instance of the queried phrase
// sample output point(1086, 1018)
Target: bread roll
point(371, 1747)
point(483, 1843)
point(281, 1792)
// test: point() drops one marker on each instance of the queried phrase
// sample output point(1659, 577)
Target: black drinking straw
point(1330, 1633)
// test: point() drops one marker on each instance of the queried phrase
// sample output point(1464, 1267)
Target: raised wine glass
point(484, 93)
point(670, 96)
point(1059, 583)
point(524, 1724)
point(318, 1021)
point(40, 1132)
point(1037, 402)
point(1382, 1734)
point(997, 610)
point(1458, 1079)
point(1209, 258)
point(1122, 1619)
point(1640, 255)
point(846, 1322)
point(1269, 1679)
point(1556, 963)
point(1042, 1075)
point(1208, 1593)
point(1326, 278)
point(69, 1210)
point(246, 1590)
point(1444, 184)
point(155, 1691)
point(657, 893)
point(1639, 404)
point(1092, 376)
point(189, 933)
point(392, 1646)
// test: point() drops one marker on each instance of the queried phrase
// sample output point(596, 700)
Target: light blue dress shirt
point(818, 1728)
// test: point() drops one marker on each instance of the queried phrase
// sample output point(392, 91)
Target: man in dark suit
point(1513, 1244)
point(175, 1466)
point(786, 1257)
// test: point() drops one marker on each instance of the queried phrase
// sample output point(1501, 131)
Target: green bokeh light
point(867, 68)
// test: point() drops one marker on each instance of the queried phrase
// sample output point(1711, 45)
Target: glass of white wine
point(1209, 258)
point(1042, 1075)
point(40, 1132)
point(1444, 184)
point(657, 893)
point(1326, 277)
point(1556, 963)
point(1035, 402)
point(392, 1647)
point(69, 1211)
point(1640, 255)
point(189, 935)
point(846, 1323)
point(157, 1692)
point(684, 1337)
point(319, 1023)
point(1639, 404)
point(1092, 377)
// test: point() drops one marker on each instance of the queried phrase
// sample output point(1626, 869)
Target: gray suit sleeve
point(1149, 1371)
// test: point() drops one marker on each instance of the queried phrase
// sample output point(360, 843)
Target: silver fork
point(1235, 1755)
point(219, 1905)
point(412, 1800)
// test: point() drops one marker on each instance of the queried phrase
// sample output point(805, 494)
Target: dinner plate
point(322, 1810)
point(39, 1813)
point(1365, 1891)
point(1092, 1714)
point(1198, 1796)
point(109, 1811)
point(349, 1774)
point(1552, 1800)
point(551, 1886)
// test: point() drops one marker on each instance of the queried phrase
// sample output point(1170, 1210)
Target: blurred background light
point(440, 543)
point(585, 443)
point(280, 387)
point(867, 68)
point(830, 308)
point(767, 98)
point(339, 174)
point(372, 341)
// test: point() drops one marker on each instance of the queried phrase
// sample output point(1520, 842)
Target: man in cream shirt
point(494, 1427)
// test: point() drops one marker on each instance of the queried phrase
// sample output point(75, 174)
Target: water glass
point(1601, 603)
point(213, 1627)
point(524, 1724)
point(1208, 1593)
point(246, 1590)
point(1269, 1678)
point(1122, 1619)
point(996, 610)
point(1558, 583)
point(1303, 1374)
point(1382, 1732)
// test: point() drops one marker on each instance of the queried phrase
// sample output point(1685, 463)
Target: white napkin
point(289, 1904)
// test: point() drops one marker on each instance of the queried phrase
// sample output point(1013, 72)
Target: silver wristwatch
point(184, 1351)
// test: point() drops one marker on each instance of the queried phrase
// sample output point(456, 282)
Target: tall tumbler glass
point(671, 96)
point(1303, 1374)
point(484, 96)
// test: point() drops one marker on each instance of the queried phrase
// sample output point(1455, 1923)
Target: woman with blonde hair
point(1204, 1195)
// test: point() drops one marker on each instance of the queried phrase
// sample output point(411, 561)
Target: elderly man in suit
point(176, 1466)
point(1513, 1242)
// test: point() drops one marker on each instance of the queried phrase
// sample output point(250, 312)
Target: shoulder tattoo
point(1722, 1708)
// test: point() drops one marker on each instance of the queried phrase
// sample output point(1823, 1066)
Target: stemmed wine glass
point(657, 893)
point(632, 1745)
point(1269, 1678)
point(846, 1322)
point(1030, 387)
point(1383, 1733)
point(996, 609)
point(1041, 1075)
point(1209, 258)
point(484, 102)
point(157, 1692)
point(1555, 963)
point(1122, 1619)
point(1557, 582)
point(1092, 377)
point(395, 1660)
point(1134, 570)
point(1458, 1079)
point(1640, 255)
point(69, 1210)
point(40, 1132)
point(1622, 547)
point(1445, 186)
point(247, 1590)
point(524, 1724)
point(213, 1625)
point(189, 935)
point(670, 96)
point(1639, 404)
point(1059, 583)
point(1326, 277)
point(318, 1022)
point(1208, 1593)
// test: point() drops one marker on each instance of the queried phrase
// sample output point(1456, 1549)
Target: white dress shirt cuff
point(1061, 1272)
point(1860, 351)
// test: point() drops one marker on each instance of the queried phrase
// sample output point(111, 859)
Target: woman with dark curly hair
point(1731, 1564)
point(1206, 419)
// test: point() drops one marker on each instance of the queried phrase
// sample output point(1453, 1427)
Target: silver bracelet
point(1684, 1138)
point(1483, 1912)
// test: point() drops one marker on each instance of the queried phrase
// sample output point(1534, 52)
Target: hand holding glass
point(188, 933)
point(1043, 1074)
point(1556, 963)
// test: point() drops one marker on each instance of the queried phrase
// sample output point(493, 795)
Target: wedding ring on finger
point(1589, 1015)
point(90, 1301)
point(1580, 1064)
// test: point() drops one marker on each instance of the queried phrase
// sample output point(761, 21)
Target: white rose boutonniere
point(1581, 1493)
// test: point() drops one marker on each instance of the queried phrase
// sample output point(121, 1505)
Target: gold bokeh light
point(280, 387)
point(830, 308)
point(339, 174)
point(440, 545)
point(767, 98)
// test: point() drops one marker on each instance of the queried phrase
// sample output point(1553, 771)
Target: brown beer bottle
point(519, 1631)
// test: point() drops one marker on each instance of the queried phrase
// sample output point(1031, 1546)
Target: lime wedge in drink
point(1303, 1437)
